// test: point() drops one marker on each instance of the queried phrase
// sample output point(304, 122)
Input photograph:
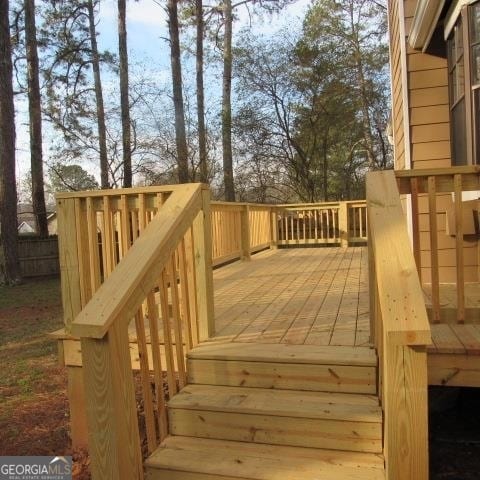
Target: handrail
point(162, 291)
point(119, 191)
point(141, 266)
point(396, 274)
point(443, 176)
point(400, 330)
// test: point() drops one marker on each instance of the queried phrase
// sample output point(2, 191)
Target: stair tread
point(284, 353)
point(282, 403)
point(230, 460)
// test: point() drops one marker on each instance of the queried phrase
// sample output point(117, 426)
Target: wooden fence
point(400, 330)
point(38, 256)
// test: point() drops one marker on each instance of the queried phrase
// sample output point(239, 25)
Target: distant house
point(26, 219)
point(26, 228)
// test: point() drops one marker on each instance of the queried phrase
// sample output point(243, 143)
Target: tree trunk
point(9, 265)
point(35, 117)
point(227, 104)
point(124, 102)
point(325, 171)
point(361, 81)
point(102, 131)
point(202, 137)
point(180, 135)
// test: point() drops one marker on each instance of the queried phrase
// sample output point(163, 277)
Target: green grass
point(29, 310)
point(43, 291)
point(28, 313)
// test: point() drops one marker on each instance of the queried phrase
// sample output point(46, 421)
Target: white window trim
point(453, 14)
point(425, 19)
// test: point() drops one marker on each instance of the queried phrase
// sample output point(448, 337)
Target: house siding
point(426, 137)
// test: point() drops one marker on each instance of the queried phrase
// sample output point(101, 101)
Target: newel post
point(343, 224)
point(202, 239)
point(245, 232)
point(114, 439)
point(273, 228)
point(70, 277)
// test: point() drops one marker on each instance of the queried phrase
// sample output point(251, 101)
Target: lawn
point(33, 399)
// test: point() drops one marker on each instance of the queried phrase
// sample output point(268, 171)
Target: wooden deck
point(316, 296)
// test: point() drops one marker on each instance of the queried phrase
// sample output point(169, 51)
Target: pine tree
point(9, 264)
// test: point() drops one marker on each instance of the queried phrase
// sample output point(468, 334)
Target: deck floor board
point(315, 296)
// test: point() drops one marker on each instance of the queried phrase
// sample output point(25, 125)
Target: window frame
point(458, 22)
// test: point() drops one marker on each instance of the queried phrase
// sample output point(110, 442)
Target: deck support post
point(406, 412)
point(245, 232)
point(202, 239)
point(343, 224)
point(72, 305)
point(114, 438)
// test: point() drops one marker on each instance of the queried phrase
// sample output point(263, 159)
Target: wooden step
point(184, 458)
point(293, 367)
point(278, 417)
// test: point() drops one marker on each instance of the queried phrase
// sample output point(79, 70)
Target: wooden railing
point(98, 228)
point(400, 331)
point(106, 223)
point(162, 293)
point(321, 223)
point(239, 229)
point(357, 221)
point(445, 245)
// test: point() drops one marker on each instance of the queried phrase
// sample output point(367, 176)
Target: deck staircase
point(274, 412)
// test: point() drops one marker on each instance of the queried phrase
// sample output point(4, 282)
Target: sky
point(146, 33)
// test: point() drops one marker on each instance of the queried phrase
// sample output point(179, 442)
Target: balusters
point(153, 320)
point(432, 215)
point(94, 257)
point(460, 274)
point(145, 380)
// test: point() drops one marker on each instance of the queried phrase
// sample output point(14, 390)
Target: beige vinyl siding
point(429, 136)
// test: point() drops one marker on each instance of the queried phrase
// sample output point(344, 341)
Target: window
point(475, 56)
point(463, 50)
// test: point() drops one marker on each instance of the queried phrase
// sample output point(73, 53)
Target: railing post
point(343, 224)
point(72, 305)
point(245, 232)
point(202, 239)
point(406, 412)
point(372, 288)
point(114, 439)
point(273, 228)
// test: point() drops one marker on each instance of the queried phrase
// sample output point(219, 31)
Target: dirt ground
point(34, 405)
point(33, 400)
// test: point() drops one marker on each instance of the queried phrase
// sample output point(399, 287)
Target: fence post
point(343, 224)
point(202, 240)
point(72, 305)
point(245, 232)
point(273, 228)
